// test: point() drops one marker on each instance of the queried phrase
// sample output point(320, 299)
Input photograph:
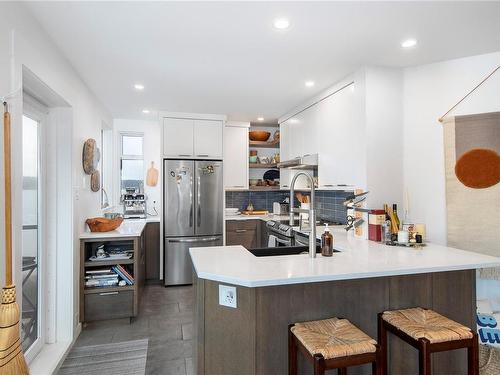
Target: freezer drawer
point(178, 265)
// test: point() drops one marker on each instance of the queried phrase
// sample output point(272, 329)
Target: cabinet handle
point(184, 155)
point(108, 293)
point(237, 186)
point(241, 230)
point(202, 155)
point(328, 185)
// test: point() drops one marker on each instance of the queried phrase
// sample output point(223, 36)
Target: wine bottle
point(395, 210)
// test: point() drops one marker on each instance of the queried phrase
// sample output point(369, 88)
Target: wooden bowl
point(259, 135)
point(101, 224)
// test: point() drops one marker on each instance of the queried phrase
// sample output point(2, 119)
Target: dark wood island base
point(253, 338)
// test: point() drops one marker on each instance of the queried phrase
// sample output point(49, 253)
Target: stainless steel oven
point(279, 234)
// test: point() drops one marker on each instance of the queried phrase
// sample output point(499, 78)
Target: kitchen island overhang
point(361, 281)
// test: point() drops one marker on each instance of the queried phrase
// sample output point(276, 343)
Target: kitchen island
point(363, 279)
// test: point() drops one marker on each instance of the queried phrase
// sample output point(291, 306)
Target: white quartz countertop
point(357, 259)
point(129, 228)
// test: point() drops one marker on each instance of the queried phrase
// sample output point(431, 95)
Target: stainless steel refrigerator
point(192, 206)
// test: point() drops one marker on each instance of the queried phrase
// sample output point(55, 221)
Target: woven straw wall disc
point(90, 156)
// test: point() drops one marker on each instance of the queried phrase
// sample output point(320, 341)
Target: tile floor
point(165, 318)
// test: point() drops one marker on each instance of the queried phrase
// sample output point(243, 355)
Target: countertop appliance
point(134, 206)
point(193, 207)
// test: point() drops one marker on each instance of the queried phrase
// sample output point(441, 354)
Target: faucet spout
point(312, 214)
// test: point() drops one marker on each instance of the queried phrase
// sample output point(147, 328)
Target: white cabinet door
point(341, 140)
point(178, 137)
point(236, 158)
point(208, 139)
point(285, 154)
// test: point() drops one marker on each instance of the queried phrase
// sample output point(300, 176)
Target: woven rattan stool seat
point(333, 338)
point(421, 323)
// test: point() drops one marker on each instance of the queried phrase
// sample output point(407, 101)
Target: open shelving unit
point(111, 302)
point(264, 149)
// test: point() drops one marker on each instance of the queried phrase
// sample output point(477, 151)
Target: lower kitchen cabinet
point(152, 250)
point(243, 232)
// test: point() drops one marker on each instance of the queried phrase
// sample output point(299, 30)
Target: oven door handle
point(283, 242)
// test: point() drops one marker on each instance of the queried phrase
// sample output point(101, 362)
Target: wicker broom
point(12, 360)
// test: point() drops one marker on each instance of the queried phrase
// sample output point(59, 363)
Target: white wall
point(24, 43)
point(429, 91)
point(152, 152)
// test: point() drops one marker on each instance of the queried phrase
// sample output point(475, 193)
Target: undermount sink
point(288, 250)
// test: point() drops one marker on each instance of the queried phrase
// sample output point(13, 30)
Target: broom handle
point(8, 195)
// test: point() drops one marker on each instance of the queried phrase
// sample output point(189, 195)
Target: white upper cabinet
point(285, 154)
point(341, 140)
point(208, 139)
point(236, 156)
point(189, 138)
point(178, 137)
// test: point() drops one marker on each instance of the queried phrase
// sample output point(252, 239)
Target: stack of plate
point(232, 211)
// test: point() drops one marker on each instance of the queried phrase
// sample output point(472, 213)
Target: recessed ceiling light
point(281, 23)
point(139, 87)
point(309, 83)
point(260, 118)
point(409, 43)
point(146, 111)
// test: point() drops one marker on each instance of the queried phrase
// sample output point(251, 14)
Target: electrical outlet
point(227, 296)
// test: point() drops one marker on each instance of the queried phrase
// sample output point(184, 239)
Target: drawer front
point(234, 225)
point(109, 305)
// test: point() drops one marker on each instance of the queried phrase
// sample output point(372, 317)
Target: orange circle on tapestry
point(478, 168)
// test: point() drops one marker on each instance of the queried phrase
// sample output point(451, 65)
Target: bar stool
point(428, 332)
point(332, 344)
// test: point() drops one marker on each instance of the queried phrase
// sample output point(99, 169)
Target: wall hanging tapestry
point(472, 170)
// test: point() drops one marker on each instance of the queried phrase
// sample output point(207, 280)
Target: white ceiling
point(227, 58)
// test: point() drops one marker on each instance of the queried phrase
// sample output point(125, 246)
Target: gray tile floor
point(165, 318)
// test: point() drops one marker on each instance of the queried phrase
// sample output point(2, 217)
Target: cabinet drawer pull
point(184, 155)
point(241, 230)
point(108, 293)
point(328, 185)
point(202, 155)
point(237, 186)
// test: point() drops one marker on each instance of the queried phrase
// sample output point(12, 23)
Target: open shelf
point(266, 144)
point(100, 263)
point(105, 289)
point(262, 166)
point(263, 188)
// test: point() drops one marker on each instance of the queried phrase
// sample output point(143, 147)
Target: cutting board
point(256, 212)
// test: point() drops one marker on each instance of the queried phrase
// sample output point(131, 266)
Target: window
point(31, 330)
point(131, 162)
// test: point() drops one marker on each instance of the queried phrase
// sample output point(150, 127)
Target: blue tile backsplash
point(329, 204)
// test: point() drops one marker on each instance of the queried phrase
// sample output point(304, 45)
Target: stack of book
point(102, 277)
point(124, 275)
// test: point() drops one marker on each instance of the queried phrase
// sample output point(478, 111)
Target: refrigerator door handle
point(198, 194)
point(205, 239)
point(191, 212)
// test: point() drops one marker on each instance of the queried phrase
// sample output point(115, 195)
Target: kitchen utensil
point(101, 224)
point(95, 181)
point(256, 212)
point(90, 156)
point(152, 175)
point(12, 359)
point(259, 135)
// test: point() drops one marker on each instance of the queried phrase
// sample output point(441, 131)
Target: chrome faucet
point(312, 214)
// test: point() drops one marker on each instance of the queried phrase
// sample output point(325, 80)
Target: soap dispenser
point(326, 242)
